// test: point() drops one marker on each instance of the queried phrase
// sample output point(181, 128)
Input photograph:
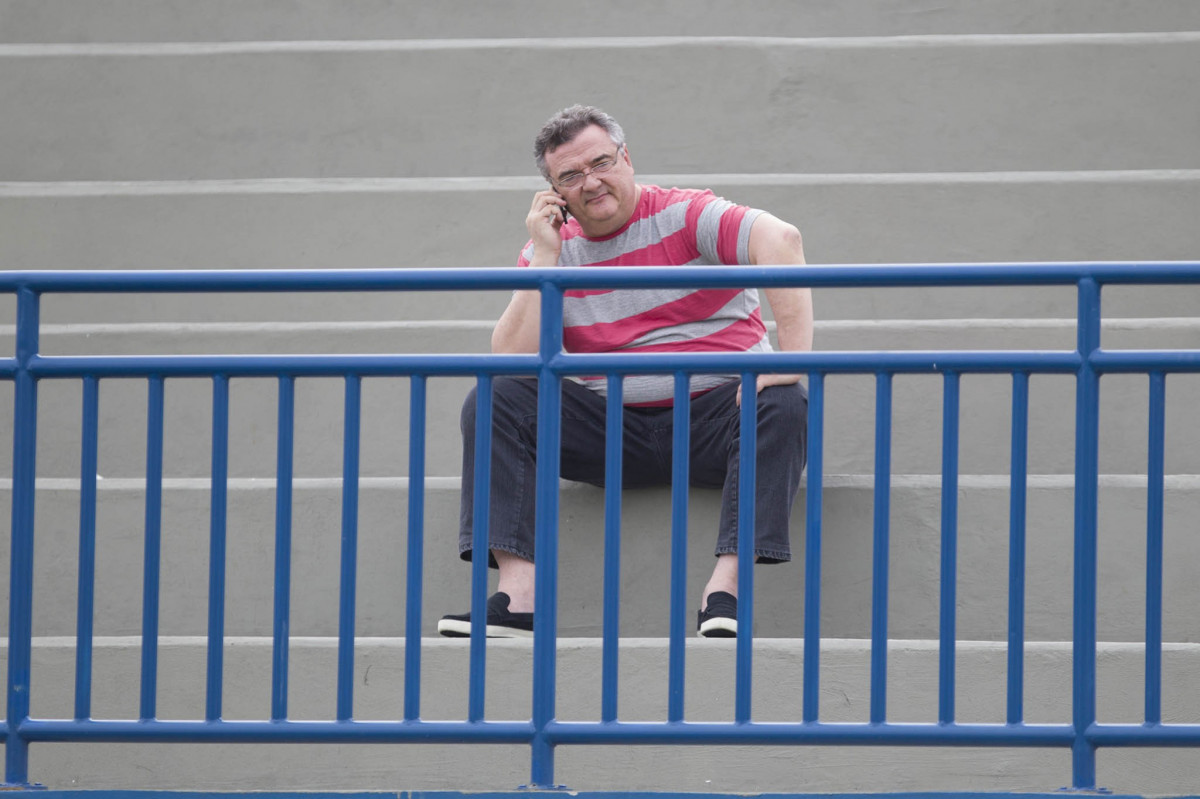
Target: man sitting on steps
point(614, 221)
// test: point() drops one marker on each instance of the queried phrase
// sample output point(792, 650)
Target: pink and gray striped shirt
point(669, 227)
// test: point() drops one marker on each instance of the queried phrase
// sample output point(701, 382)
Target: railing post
point(546, 537)
point(1018, 489)
point(282, 614)
point(1087, 432)
point(218, 536)
point(949, 566)
point(416, 548)
point(747, 499)
point(881, 536)
point(1155, 468)
point(152, 547)
point(20, 608)
point(351, 440)
point(681, 446)
point(812, 546)
point(86, 602)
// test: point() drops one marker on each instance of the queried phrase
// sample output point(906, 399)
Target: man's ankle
point(518, 603)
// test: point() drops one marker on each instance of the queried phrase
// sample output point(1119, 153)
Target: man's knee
point(510, 395)
point(783, 421)
point(466, 419)
point(784, 405)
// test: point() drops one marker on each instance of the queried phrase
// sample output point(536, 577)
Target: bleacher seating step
point(710, 665)
point(259, 110)
point(846, 561)
point(850, 406)
point(478, 222)
point(241, 20)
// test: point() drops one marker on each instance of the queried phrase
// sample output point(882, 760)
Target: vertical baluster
point(20, 607)
point(416, 548)
point(879, 579)
point(812, 547)
point(1154, 547)
point(949, 566)
point(85, 613)
point(349, 564)
point(1087, 432)
point(479, 547)
point(152, 556)
point(1016, 548)
point(613, 455)
point(747, 498)
point(549, 454)
point(680, 456)
point(217, 538)
point(285, 446)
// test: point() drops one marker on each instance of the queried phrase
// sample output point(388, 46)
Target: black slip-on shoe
point(500, 623)
point(719, 619)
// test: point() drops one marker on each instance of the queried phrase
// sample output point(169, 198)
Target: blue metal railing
point(543, 732)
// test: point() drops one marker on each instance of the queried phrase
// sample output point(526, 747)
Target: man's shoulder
point(661, 197)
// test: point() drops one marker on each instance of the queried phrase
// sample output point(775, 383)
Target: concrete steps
point(164, 134)
point(278, 20)
point(846, 562)
point(875, 104)
point(477, 222)
point(985, 402)
point(379, 691)
point(849, 424)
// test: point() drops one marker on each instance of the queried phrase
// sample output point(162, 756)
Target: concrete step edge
point(613, 42)
point(303, 186)
point(588, 643)
point(1174, 323)
point(985, 482)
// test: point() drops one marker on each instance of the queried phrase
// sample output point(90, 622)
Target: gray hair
point(566, 125)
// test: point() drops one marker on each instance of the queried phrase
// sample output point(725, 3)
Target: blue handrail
point(543, 732)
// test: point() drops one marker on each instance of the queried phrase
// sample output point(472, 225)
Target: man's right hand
point(544, 222)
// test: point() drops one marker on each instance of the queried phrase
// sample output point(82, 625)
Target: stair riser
point(278, 20)
point(843, 220)
point(985, 426)
point(787, 106)
point(846, 562)
point(379, 691)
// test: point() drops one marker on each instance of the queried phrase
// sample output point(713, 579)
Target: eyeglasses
point(573, 179)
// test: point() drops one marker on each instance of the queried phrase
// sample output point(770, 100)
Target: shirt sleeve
point(526, 254)
point(723, 231)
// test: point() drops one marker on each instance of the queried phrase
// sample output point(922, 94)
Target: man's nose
point(590, 181)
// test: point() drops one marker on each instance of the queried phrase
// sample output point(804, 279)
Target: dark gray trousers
point(715, 433)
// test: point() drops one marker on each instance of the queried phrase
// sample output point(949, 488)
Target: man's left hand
point(768, 380)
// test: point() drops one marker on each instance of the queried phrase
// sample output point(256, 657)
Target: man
point(615, 221)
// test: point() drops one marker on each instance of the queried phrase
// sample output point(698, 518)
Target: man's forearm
point(793, 311)
point(518, 327)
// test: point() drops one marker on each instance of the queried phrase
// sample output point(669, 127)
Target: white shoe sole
point(713, 628)
point(456, 628)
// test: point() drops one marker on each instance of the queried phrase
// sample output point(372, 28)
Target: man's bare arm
point(517, 330)
point(773, 241)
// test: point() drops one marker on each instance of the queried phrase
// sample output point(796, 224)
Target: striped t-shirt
point(669, 227)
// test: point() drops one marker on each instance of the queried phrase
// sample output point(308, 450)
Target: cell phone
point(563, 208)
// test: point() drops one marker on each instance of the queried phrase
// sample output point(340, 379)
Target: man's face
point(602, 201)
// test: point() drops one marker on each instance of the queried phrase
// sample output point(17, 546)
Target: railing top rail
point(439, 279)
